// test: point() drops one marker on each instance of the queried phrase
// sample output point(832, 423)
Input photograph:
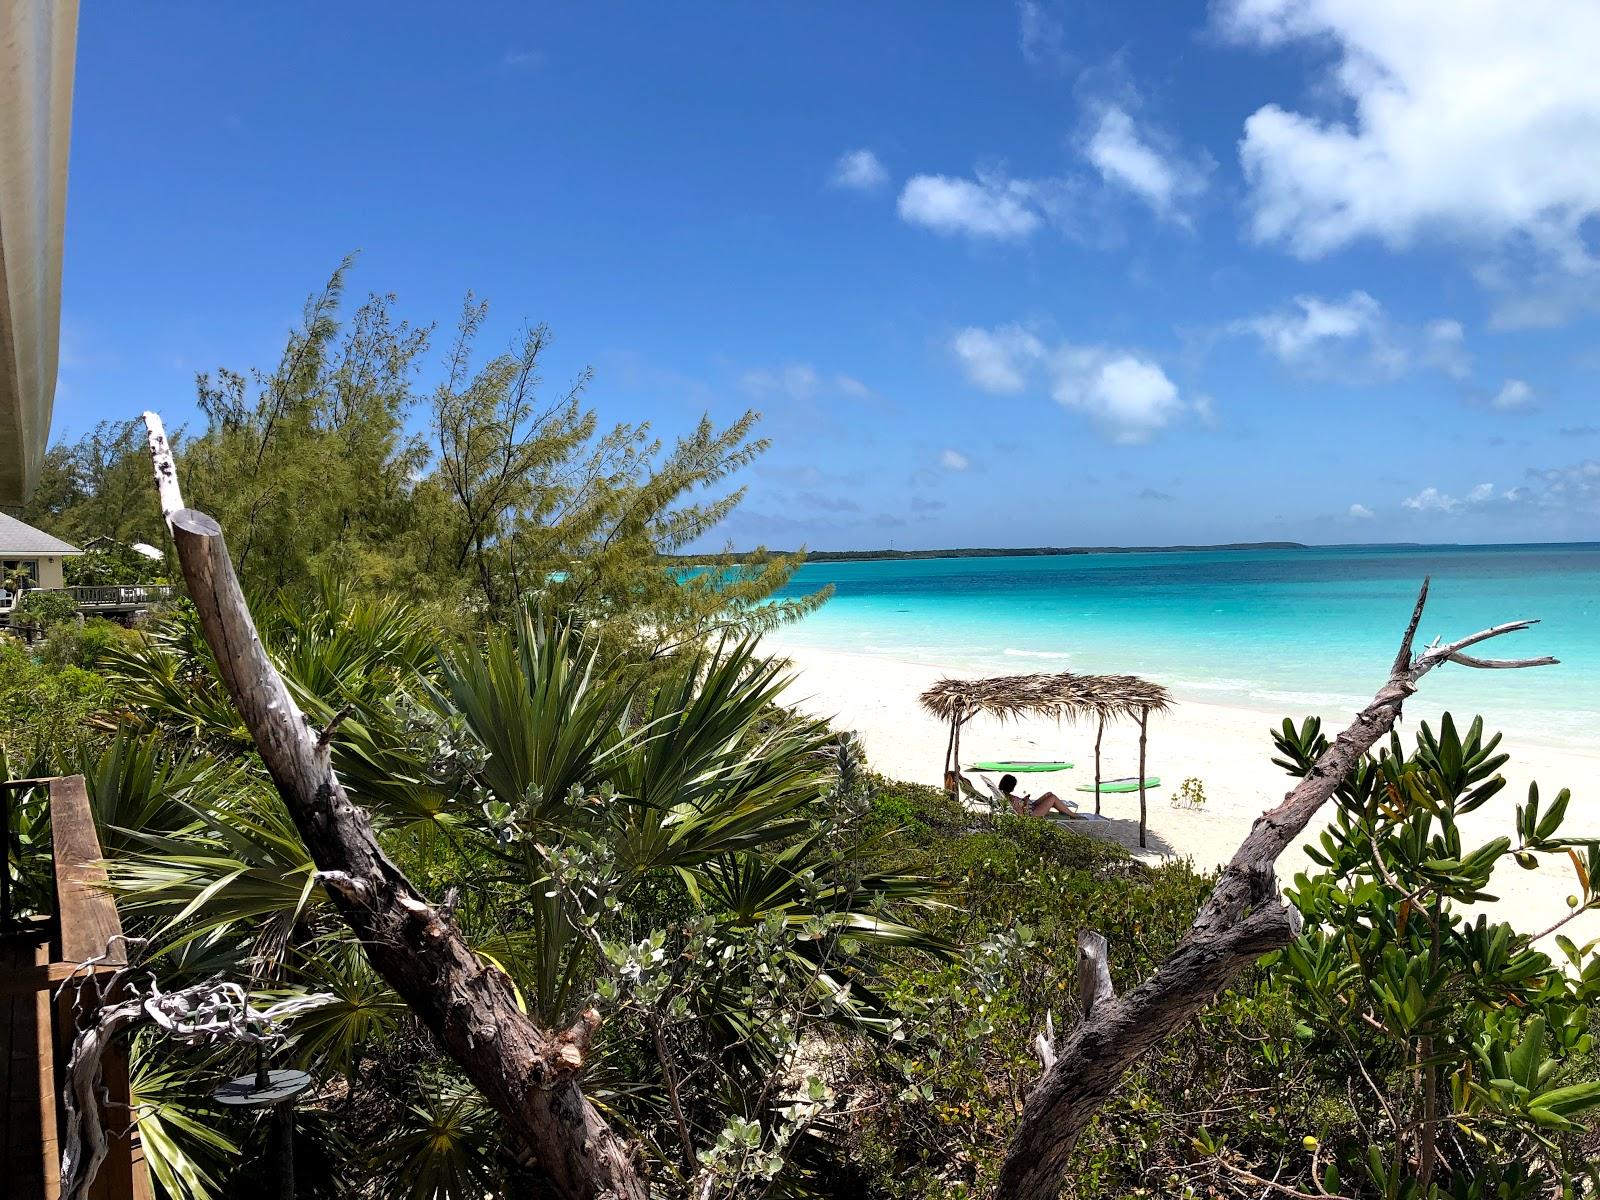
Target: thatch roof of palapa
point(1062, 695)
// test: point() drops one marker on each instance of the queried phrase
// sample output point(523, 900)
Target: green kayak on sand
point(1129, 784)
point(1021, 768)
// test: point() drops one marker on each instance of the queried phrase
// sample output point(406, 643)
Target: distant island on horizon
point(755, 556)
point(998, 552)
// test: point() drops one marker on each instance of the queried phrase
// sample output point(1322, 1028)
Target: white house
point(33, 553)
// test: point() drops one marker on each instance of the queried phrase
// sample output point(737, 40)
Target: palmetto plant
point(139, 785)
point(332, 648)
point(564, 809)
point(183, 1143)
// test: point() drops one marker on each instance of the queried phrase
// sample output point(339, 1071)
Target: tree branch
point(1242, 919)
point(526, 1072)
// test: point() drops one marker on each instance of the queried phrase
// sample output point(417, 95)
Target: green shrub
point(69, 644)
point(937, 1103)
point(41, 609)
point(43, 708)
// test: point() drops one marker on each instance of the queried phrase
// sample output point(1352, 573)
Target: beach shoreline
point(1226, 747)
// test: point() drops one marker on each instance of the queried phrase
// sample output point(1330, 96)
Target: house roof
point(19, 540)
point(1060, 696)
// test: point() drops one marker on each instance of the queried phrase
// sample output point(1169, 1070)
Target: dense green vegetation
point(811, 980)
point(884, 955)
point(475, 494)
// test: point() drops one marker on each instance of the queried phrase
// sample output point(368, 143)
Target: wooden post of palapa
point(1100, 732)
point(1144, 723)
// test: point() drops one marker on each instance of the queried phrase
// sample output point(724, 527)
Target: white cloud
point(859, 170)
point(1474, 122)
point(1575, 487)
point(1353, 339)
point(1127, 397)
point(1360, 512)
point(1431, 499)
point(1573, 490)
point(1513, 394)
point(1042, 37)
point(989, 206)
point(1294, 336)
point(794, 381)
point(1127, 159)
point(997, 360)
point(1444, 347)
point(850, 386)
point(954, 460)
point(801, 381)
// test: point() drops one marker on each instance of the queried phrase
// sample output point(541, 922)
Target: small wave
point(1216, 685)
point(1015, 653)
point(1311, 699)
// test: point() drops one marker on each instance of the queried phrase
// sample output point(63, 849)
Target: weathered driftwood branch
point(528, 1073)
point(1242, 919)
point(1044, 1043)
point(1094, 971)
point(204, 1014)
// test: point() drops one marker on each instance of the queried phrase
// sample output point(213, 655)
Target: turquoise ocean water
point(1295, 631)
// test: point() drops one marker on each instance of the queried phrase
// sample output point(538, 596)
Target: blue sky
point(997, 274)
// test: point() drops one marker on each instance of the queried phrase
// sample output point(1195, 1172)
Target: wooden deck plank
point(29, 1152)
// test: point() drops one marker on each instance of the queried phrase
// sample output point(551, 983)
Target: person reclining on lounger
point(1034, 806)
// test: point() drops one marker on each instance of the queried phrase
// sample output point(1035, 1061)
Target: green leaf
point(1569, 1101)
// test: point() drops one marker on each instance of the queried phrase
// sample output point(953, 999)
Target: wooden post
point(955, 746)
point(1144, 721)
point(950, 768)
point(1099, 733)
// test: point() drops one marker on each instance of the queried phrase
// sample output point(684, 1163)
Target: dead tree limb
point(207, 1013)
point(528, 1073)
point(1243, 919)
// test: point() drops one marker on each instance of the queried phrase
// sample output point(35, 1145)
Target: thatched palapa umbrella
point(1064, 696)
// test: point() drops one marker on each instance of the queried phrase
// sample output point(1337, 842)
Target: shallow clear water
point(1283, 630)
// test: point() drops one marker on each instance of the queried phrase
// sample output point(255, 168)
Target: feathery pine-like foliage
point(481, 494)
point(98, 486)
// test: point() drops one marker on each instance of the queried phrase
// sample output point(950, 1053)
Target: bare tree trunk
point(951, 783)
point(1144, 815)
point(1100, 732)
point(1428, 1138)
point(1241, 920)
point(528, 1073)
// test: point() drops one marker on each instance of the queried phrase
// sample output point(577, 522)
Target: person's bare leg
point(1043, 804)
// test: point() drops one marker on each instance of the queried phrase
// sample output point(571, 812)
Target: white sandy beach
point(1227, 748)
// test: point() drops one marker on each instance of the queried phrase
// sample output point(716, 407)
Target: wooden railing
point(37, 1026)
point(127, 595)
point(122, 597)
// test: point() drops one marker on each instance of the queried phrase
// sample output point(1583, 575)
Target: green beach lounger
point(1128, 784)
point(1021, 768)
